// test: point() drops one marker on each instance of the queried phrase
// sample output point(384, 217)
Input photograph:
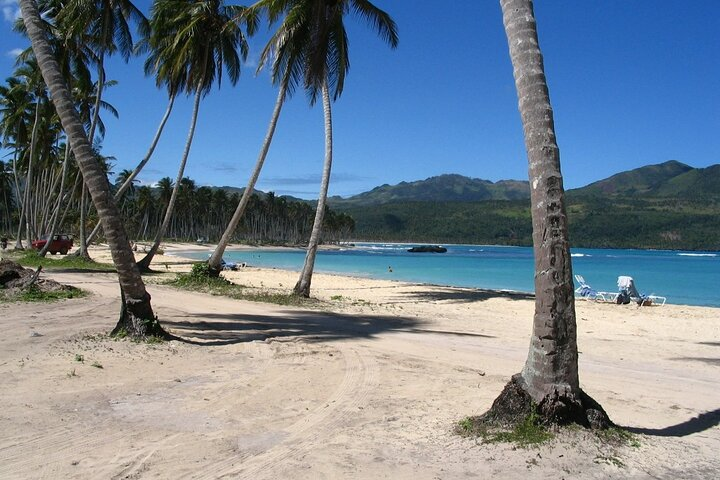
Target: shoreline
point(371, 276)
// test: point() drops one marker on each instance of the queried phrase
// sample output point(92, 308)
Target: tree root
point(514, 405)
point(137, 320)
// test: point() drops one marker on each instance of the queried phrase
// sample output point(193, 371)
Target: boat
point(428, 249)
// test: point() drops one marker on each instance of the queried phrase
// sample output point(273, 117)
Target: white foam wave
point(698, 254)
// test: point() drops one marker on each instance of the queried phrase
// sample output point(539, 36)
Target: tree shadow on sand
point(467, 295)
point(213, 329)
point(702, 422)
point(224, 329)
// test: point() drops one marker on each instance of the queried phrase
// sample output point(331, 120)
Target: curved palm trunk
point(144, 264)
point(126, 184)
point(84, 241)
point(56, 211)
point(28, 178)
point(82, 250)
point(550, 375)
point(216, 257)
point(302, 287)
point(137, 317)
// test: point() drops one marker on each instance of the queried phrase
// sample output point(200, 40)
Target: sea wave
point(580, 255)
point(698, 254)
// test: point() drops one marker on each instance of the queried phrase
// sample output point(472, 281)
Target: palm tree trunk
point(128, 181)
point(82, 250)
point(137, 317)
point(144, 264)
point(19, 197)
point(216, 258)
point(302, 287)
point(56, 211)
point(550, 375)
point(28, 178)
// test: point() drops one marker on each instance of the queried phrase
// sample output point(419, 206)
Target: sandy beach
point(367, 385)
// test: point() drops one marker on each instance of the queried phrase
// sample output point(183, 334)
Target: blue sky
point(632, 83)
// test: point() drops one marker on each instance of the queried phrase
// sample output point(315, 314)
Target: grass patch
point(200, 280)
point(96, 364)
point(30, 258)
point(529, 432)
point(79, 358)
point(616, 436)
point(36, 294)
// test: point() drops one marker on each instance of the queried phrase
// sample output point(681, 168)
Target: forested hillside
point(670, 206)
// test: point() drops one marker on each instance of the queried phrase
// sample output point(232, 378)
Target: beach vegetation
point(96, 364)
point(529, 431)
point(31, 258)
point(34, 293)
point(199, 280)
point(79, 358)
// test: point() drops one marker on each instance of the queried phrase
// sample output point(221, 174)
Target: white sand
point(368, 386)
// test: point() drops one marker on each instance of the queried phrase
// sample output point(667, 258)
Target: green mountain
point(669, 205)
point(640, 181)
point(444, 188)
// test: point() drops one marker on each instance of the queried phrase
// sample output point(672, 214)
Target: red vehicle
point(59, 243)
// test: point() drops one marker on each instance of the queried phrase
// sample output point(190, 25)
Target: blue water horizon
point(684, 277)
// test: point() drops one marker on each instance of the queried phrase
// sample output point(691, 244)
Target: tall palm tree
point(105, 25)
point(326, 64)
point(550, 376)
point(191, 41)
point(137, 317)
point(311, 49)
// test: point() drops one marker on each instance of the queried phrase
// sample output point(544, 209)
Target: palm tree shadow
point(214, 329)
point(468, 295)
point(702, 422)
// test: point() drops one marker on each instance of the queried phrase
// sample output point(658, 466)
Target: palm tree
point(104, 24)
point(6, 198)
point(550, 376)
point(311, 47)
point(326, 63)
point(190, 43)
point(137, 317)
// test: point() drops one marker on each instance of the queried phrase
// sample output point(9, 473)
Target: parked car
point(60, 243)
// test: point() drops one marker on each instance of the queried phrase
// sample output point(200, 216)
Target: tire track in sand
point(359, 380)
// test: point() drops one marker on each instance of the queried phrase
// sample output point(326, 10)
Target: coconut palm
point(105, 26)
point(137, 317)
point(309, 49)
point(6, 198)
point(16, 116)
point(314, 35)
point(191, 41)
point(550, 376)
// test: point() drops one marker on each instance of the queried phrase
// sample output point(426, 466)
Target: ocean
point(685, 278)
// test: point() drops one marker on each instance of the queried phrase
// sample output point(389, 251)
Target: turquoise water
point(687, 278)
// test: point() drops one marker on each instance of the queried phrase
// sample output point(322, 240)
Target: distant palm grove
point(42, 185)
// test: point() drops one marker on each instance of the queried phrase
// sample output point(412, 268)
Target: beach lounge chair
point(588, 293)
point(627, 292)
point(228, 265)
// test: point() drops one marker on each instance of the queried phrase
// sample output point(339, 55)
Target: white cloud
point(14, 52)
point(10, 10)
